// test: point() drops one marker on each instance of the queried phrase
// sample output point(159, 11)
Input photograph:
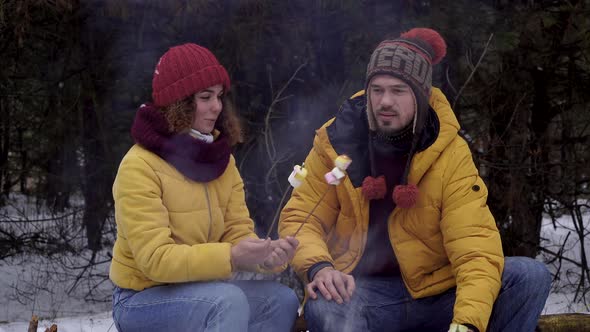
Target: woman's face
point(208, 106)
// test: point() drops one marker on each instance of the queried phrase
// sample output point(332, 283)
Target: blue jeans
point(384, 304)
point(238, 305)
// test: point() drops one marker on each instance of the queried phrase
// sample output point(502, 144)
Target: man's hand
point(249, 252)
point(332, 284)
point(283, 251)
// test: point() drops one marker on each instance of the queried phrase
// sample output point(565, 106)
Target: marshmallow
point(342, 162)
point(331, 179)
point(297, 176)
point(338, 173)
point(300, 172)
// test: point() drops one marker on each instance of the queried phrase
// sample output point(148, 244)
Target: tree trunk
point(96, 183)
point(4, 146)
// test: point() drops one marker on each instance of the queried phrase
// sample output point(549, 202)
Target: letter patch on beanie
point(409, 58)
point(405, 62)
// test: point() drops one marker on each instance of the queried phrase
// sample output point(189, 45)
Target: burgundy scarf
point(195, 159)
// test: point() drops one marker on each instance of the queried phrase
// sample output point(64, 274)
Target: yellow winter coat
point(171, 229)
point(449, 238)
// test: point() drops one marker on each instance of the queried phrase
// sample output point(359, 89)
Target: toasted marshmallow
point(297, 177)
point(342, 162)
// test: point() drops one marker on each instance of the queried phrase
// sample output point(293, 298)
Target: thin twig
point(81, 275)
point(474, 70)
point(449, 81)
point(512, 116)
point(270, 148)
point(557, 254)
point(311, 212)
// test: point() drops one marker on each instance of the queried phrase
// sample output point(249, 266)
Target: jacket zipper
point(210, 215)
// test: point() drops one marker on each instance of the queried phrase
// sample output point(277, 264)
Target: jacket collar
point(448, 132)
point(348, 133)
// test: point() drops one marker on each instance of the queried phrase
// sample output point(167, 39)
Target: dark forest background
point(73, 73)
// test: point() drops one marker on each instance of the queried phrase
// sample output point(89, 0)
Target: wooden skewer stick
point(311, 212)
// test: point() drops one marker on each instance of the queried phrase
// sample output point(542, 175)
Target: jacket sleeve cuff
point(259, 268)
point(462, 327)
point(315, 268)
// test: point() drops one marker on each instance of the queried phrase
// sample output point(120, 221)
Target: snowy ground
point(36, 287)
point(88, 323)
point(48, 288)
point(563, 297)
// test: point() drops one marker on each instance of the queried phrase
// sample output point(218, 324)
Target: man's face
point(392, 102)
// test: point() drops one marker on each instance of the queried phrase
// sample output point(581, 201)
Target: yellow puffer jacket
point(449, 238)
point(171, 229)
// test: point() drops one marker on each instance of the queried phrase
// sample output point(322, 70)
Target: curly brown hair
point(180, 118)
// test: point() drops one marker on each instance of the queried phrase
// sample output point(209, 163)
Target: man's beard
point(383, 127)
point(387, 131)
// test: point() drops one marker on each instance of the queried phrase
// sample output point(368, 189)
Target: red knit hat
point(185, 70)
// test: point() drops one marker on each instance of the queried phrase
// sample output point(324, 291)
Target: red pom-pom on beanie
point(374, 188)
point(433, 38)
point(405, 196)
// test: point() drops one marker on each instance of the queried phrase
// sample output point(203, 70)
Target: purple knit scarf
point(195, 159)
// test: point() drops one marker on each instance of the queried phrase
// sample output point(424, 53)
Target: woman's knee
point(228, 297)
point(215, 300)
point(228, 305)
point(182, 307)
point(286, 297)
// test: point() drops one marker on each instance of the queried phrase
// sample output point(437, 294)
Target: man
point(406, 242)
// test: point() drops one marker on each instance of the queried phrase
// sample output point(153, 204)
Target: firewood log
point(564, 323)
point(33, 324)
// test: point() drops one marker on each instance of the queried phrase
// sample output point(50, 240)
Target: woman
point(182, 222)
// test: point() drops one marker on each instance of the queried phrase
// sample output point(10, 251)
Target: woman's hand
point(250, 252)
point(283, 251)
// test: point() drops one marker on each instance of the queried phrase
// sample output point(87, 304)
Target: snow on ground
point(89, 323)
point(38, 285)
point(566, 281)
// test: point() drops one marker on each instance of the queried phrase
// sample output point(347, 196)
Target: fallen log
point(547, 323)
point(564, 323)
